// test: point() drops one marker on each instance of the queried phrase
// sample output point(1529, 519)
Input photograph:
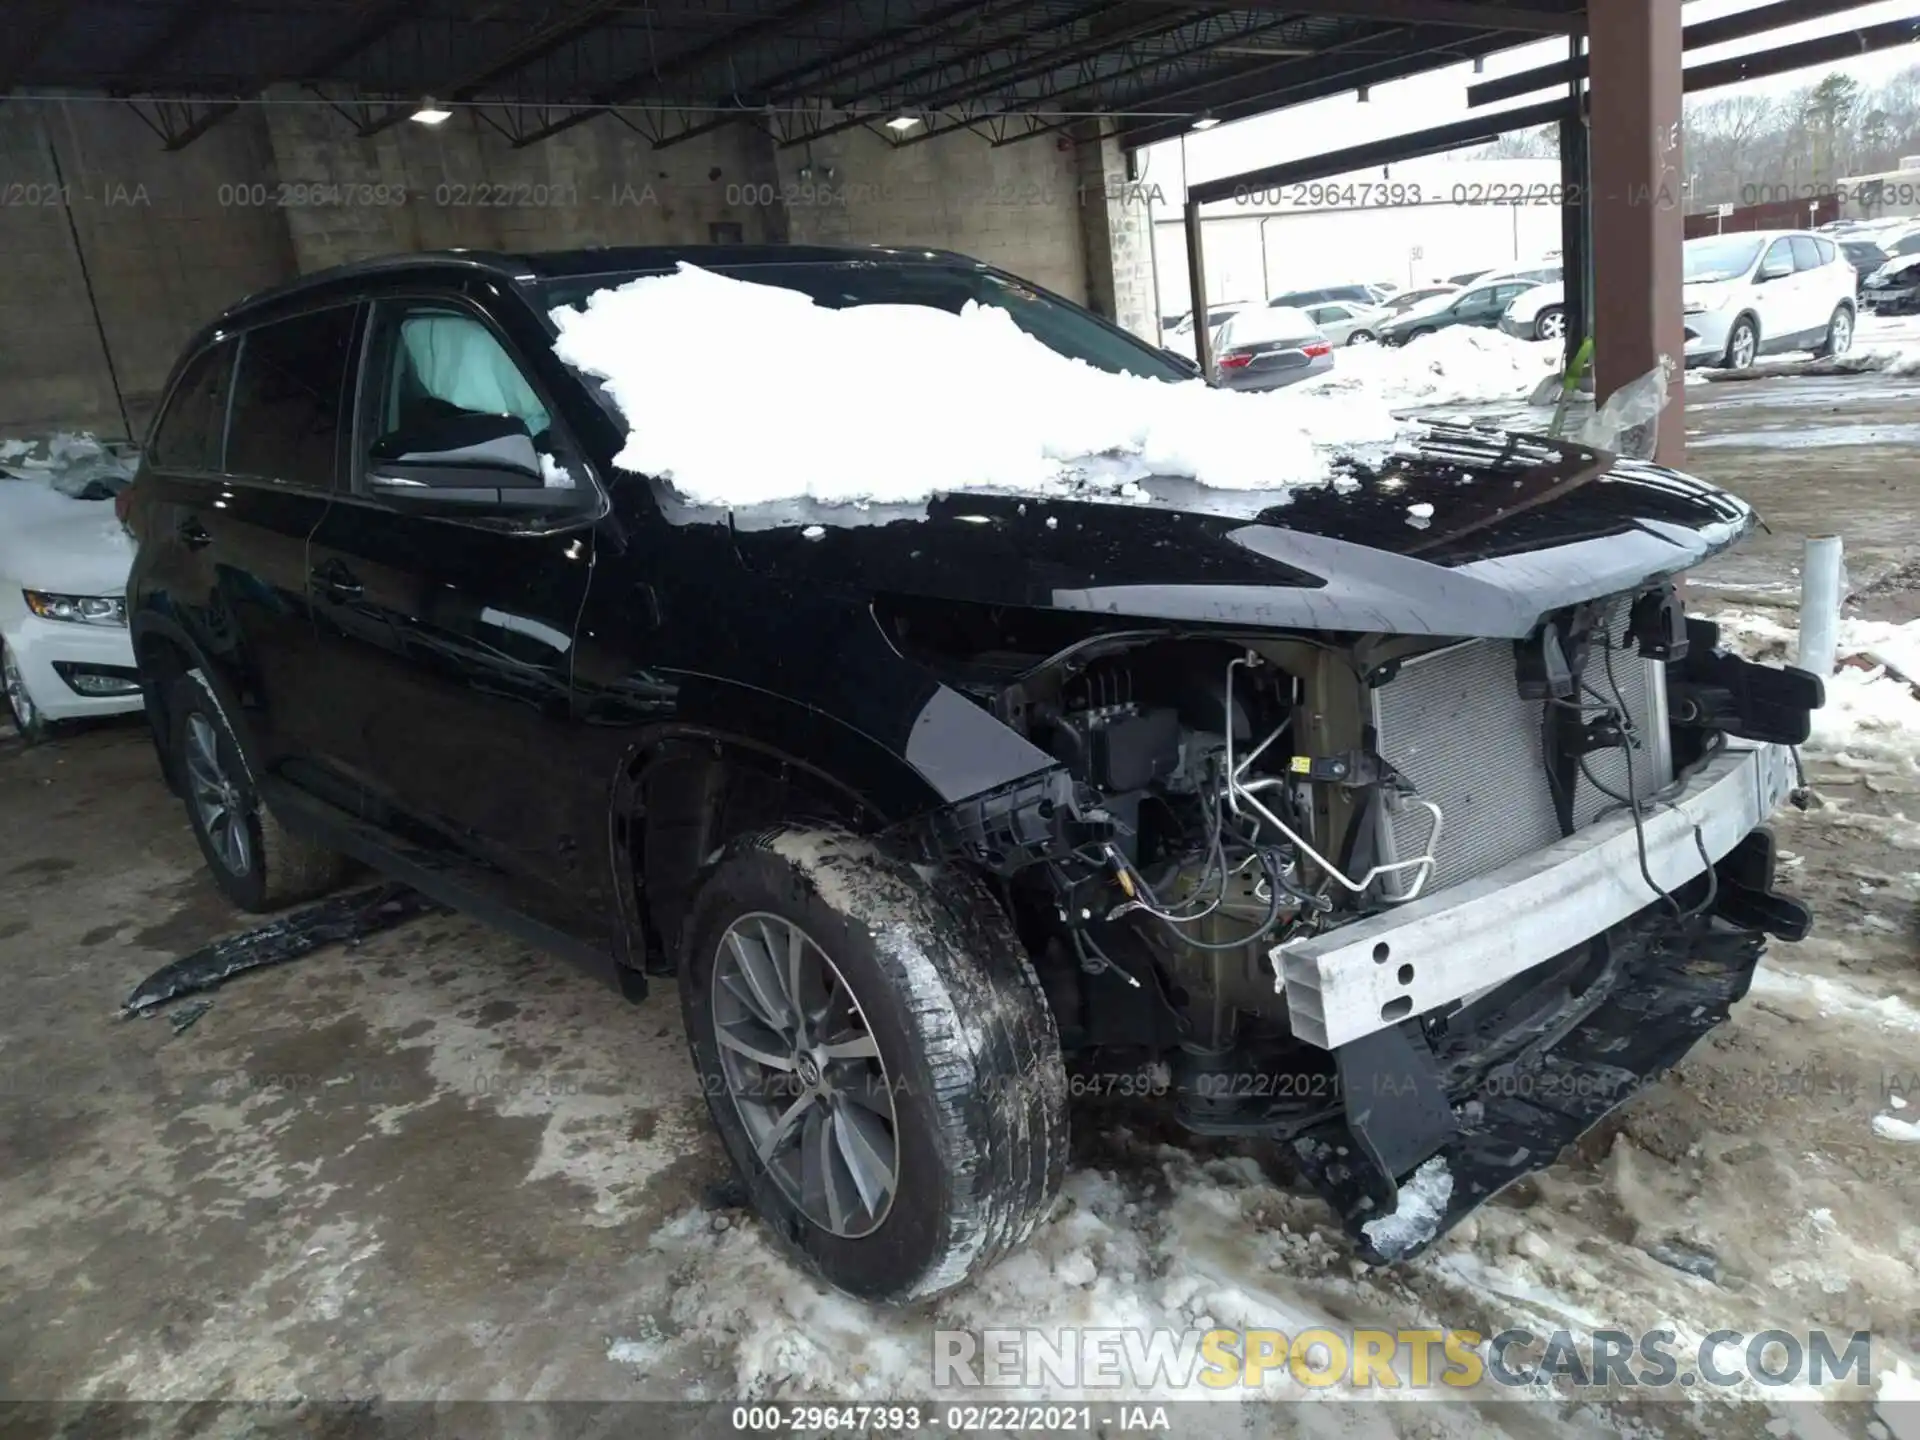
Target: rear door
point(240, 527)
point(452, 637)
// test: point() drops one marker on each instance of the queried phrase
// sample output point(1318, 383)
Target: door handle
point(193, 534)
point(335, 581)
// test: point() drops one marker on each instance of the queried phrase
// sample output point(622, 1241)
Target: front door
point(459, 631)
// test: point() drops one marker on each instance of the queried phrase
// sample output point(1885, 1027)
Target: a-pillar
point(1638, 205)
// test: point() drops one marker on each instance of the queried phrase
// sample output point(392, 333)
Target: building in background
point(1405, 225)
point(1884, 196)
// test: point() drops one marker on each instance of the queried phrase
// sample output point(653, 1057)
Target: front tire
point(1361, 337)
point(1743, 344)
point(1550, 324)
point(256, 863)
point(878, 1058)
point(26, 716)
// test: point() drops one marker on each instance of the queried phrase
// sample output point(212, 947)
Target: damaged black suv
point(1415, 848)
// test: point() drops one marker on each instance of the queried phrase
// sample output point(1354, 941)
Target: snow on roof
point(742, 394)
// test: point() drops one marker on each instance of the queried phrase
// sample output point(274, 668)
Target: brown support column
point(1634, 98)
point(1197, 289)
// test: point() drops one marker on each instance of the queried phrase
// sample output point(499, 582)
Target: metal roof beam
point(1433, 12)
point(1697, 36)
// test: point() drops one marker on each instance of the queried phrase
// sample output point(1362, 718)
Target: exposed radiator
point(1452, 721)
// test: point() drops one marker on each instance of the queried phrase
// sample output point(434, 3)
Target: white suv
point(1758, 292)
point(1765, 291)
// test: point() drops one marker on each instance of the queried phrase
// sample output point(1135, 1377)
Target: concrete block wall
point(1116, 225)
point(277, 190)
point(164, 240)
point(463, 184)
point(1017, 206)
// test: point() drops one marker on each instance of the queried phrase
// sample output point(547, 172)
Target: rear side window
point(290, 400)
point(1806, 255)
point(1825, 247)
point(189, 434)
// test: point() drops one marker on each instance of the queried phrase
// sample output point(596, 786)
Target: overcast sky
point(1441, 96)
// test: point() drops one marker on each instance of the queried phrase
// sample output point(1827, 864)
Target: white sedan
point(1345, 323)
point(64, 648)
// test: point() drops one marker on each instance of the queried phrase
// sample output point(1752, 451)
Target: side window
point(1327, 314)
point(443, 364)
point(1826, 250)
point(1806, 255)
point(1777, 261)
point(290, 399)
point(189, 436)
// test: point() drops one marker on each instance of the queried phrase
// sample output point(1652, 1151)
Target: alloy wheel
point(1553, 325)
point(1840, 334)
point(1743, 347)
point(216, 799)
point(18, 700)
point(805, 1075)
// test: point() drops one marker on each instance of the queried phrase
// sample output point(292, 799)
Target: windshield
point(1060, 326)
point(1720, 257)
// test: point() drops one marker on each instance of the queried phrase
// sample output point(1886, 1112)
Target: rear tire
point(27, 719)
point(1361, 337)
point(945, 1036)
point(1550, 324)
point(1839, 333)
point(256, 863)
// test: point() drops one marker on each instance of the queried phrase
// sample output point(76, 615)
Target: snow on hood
point(743, 394)
point(49, 538)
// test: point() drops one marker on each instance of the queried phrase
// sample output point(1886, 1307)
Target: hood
point(1517, 526)
point(1901, 267)
point(65, 546)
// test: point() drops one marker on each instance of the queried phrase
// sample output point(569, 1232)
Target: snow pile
point(1416, 1215)
point(1873, 707)
point(1458, 365)
point(743, 394)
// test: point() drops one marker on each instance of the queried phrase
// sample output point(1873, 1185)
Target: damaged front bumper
point(1517, 1044)
point(1407, 961)
point(1607, 1028)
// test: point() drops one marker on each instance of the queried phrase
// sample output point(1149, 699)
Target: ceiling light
point(1205, 120)
point(902, 123)
point(431, 114)
point(1479, 64)
point(1363, 94)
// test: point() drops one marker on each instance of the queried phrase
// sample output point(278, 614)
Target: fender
point(153, 624)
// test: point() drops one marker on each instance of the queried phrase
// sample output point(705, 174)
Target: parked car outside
point(919, 814)
point(1180, 338)
point(64, 648)
point(1407, 299)
point(1467, 277)
point(1300, 299)
point(1346, 323)
point(1479, 305)
point(1538, 313)
point(1763, 292)
point(1865, 256)
point(1267, 346)
point(1893, 289)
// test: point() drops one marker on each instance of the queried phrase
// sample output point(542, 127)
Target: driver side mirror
point(464, 461)
point(1774, 271)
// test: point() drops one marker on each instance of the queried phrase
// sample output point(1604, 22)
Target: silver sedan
point(1267, 346)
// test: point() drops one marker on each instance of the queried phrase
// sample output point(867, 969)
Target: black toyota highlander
point(1415, 848)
